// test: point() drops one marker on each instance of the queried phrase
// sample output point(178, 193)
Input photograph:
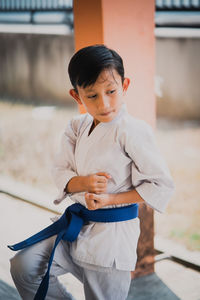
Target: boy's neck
point(96, 122)
point(92, 127)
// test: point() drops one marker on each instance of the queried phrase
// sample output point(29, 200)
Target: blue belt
point(68, 227)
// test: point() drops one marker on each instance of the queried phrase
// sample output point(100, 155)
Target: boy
point(107, 160)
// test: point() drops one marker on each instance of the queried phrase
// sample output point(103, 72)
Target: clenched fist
point(94, 201)
point(97, 183)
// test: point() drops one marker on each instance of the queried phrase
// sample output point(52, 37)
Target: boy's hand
point(95, 201)
point(97, 183)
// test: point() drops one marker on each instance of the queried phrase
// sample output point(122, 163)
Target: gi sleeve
point(150, 174)
point(64, 167)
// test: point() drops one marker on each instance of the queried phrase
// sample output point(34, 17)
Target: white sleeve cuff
point(156, 199)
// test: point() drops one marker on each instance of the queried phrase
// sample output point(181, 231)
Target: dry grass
point(180, 144)
point(28, 142)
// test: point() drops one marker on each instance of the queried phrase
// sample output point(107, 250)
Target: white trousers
point(29, 265)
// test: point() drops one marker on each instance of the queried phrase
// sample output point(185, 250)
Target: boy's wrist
point(111, 199)
point(84, 183)
point(76, 184)
point(128, 197)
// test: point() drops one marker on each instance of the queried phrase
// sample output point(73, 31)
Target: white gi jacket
point(125, 148)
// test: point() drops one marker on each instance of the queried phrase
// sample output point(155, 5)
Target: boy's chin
point(106, 119)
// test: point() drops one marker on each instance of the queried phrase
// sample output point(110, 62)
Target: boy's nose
point(104, 102)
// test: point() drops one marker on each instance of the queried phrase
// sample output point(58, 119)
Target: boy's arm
point(94, 183)
point(95, 201)
point(64, 167)
point(149, 172)
point(126, 197)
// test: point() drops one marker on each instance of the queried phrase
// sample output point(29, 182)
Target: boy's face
point(104, 98)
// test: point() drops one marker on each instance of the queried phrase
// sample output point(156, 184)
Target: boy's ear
point(75, 95)
point(126, 84)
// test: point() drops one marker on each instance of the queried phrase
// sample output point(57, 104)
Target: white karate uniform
point(103, 253)
point(125, 148)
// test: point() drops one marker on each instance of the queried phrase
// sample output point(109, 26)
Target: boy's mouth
point(106, 113)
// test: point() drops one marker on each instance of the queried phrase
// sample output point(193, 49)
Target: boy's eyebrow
point(89, 90)
point(111, 83)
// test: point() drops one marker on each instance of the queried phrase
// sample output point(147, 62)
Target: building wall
point(177, 76)
point(33, 67)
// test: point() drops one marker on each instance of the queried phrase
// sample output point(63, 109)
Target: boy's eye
point(92, 96)
point(111, 92)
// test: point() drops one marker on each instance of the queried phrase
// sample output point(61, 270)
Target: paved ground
point(171, 281)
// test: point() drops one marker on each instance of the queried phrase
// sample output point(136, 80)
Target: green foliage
point(175, 233)
point(190, 239)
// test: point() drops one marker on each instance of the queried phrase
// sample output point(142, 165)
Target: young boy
point(107, 159)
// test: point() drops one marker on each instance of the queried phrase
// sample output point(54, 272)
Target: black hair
point(86, 65)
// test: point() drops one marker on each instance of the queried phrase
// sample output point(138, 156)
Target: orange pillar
point(128, 27)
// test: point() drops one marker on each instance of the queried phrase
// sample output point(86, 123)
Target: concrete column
point(128, 27)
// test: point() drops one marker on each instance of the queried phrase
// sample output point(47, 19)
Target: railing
point(35, 5)
point(177, 13)
point(46, 5)
point(177, 5)
point(36, 12)
point(172, 13)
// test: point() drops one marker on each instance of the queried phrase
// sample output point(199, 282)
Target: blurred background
point(36, 43)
